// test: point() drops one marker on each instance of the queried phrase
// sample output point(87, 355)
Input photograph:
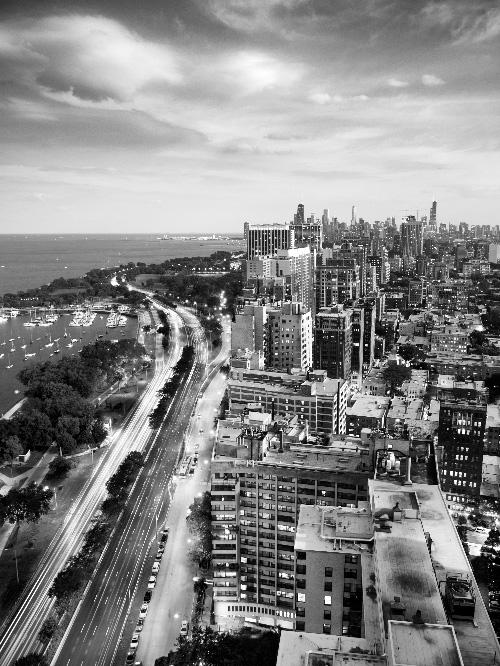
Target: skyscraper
point(353, 217)
point(411, 237)
point(433, 212)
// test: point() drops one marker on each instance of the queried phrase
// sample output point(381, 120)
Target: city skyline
point(206, 114)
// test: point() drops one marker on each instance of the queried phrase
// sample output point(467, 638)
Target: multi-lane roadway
point(19, 635)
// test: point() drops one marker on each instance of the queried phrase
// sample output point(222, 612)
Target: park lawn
point(31, 540)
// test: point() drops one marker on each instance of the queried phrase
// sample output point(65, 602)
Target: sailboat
point(11, 365)
point(50, 344)
point(23, 346)
point(4, 342)
point(2, 355)
point(12, 349)
point(57, 350)
point(65, 332)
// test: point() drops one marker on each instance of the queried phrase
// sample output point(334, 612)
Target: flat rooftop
point(493, 416)
point(318, 457)
point(304, 649)
point(333, 529)
point(369, 406)
point(403, 562)
point(477, 641)
point(423, 644)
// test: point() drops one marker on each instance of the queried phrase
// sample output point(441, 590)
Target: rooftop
point(423, 644)
point(477, 640)
point(493, 416)
point(304, 649)
point(333, 529)
point(369, 406)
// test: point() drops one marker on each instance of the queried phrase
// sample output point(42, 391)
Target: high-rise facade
point(461, 434)
point(433, 213)
point(411, 237)
point(288, 276)
point(337, 282)
point(290, 337)
point(333, 341)
point(268, 239)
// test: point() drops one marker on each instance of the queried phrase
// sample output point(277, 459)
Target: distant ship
point(165, 237)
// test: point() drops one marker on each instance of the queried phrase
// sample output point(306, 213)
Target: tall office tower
point(396, 244)
point(288, 276)
point(442, 228)
point(460, 255)
point(452, 228)
point(424, 220)
point(353, 217)
point(411, 237)
point(245, 231)
point(337, 282)
point(267, 239)
point(357, 334)
point(494, 253)
point(433, 213)
point(299, 217)
point(289, 337)
point(430, 247)
point(333, 341)
point(329, 227)
point(463, 228)
point(461, 432)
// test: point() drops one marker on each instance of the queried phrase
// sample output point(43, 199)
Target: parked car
point(161, 548)
point(184, 628)
point(144, 611)
point(166, 530)
point(156, 567)
point(130, 657)
point(151, 582)
point(148, 595)
point(134, 642)
point(164, 538)
point(159, 554)
point(201, 430)
point(139, 627)
point(483, 530)
point(494, 602)
point(196, 446)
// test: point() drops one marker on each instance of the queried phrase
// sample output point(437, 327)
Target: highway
point(19, 632)
point(173, 596)
point(98, 624)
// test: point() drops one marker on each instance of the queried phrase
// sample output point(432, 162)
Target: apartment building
point(314, 398)
point(461, 435)
point(337, 282)
point(449, 338)
point(268, 239)
point(333, 341)
point(255, 505)
point(289, 340)
point(367, 412)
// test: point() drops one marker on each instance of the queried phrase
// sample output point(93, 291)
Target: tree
point(34, 428)
point(395, 375)
point(11, 448)
point(32, 659)
point(200, 525)
point(48, 629)
point(27, 504)
point(493, 385)
point(60, 466)
point(410, 353)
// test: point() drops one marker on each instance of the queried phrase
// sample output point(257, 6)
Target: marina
point(48, 337)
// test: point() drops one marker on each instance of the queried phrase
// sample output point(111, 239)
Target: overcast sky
point(191, 115)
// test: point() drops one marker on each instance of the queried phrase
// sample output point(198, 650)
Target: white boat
point(11, 365)
point(3, 318)
point(2, 355)
point(29, 324)
point(14, 313)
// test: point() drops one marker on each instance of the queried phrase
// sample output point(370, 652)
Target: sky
point(179, 116)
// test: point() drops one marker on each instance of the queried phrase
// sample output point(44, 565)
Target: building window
point(328, 572)
point(327, 628)
point(327, 615)
point(328, 599)
point(300, 626)
point(300, 612)
point(328, 587)
point(301, 597)
point(301, 555)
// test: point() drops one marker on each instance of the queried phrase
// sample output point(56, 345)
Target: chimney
point(280, 450)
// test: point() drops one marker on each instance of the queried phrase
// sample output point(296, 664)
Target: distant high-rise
point(353, 217)
point(267, 239)
point(411, 237)
point(300, 217)
point(433, 212)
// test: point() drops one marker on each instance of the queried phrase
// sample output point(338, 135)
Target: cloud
point(91, 57)
point(396, 83)
point(279, 136)
point(320, 98)
point(250, 15)
point(253, 72)
point(431, 80)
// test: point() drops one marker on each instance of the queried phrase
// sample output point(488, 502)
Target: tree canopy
point(395, 375)
point(27, 504)
point(199, 523)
